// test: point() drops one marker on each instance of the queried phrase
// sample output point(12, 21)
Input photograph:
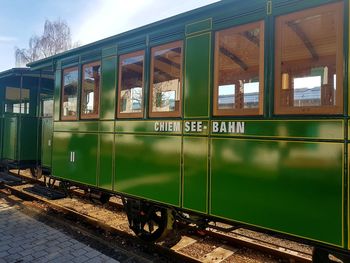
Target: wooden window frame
point(68, 118)
point(323, 109)
point(166, 113)
point(135, 115)
point(96, 97)
point(241, 112)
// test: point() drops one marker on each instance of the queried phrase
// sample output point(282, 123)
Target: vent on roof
point(229, 17)
point(165, 36)
point(93, 55)
point(132, 45)
point(70, 61)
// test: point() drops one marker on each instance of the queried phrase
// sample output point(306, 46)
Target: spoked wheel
point(36, 172)
point(148, 222)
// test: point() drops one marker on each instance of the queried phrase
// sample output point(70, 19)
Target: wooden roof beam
point(234, 58)
point(255, 40)
point(301, 34)
point(168, 61)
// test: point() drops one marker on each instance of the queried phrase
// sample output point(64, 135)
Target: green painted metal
point(195, 174)
point(28, 136)
point(281, 6)
point(10, 137)
point(84, 166)
point(81, 126)
point(46, 142)
point(149, 167)
point(108, 92)
point(197, 76)
point(302, 129)
point(159, 127)
point(57, 94)
point(199, 26)
point(106, 126)
point(109, 51)
point(105, 179)
point(196, 127)
point(20, 138)
point(292, 187)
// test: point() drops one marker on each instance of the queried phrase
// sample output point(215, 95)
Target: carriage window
point(166, 79)
point(47, 107)
point(69, 94)
point(131, 85)
point(90, 96)
point(13, 101)
point(309, 61)
point(46, 98)
point(239, 70)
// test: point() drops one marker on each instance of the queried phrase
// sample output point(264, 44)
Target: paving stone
point(24, 239)
point(4, 254)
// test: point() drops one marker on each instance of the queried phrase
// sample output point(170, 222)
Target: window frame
point(96, 100)
point(69, 118)
point(241, 112)
point(133, 115)
point(178, 113)
point(339, 97)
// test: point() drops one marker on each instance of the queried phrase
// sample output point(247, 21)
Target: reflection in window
point(69, 93)
point(131, 85)
point(90, 90)
point(239, 68)
point(226, 98)
point(166, 80)
point(13, 101)
point(308, 51)
point(47, 108)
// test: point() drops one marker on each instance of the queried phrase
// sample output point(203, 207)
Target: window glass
point(13, 102)
point(308, 61)
point(239, 70)
point(90, 90)
point(69, 93)
point(47, 108)
point(46, 100)
point(131, 85)
point(166, 80)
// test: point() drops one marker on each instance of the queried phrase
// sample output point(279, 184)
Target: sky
point(89, 20)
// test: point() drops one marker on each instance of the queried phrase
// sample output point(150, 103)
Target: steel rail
point(236, 240)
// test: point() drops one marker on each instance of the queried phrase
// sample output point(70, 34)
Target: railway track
point(209, 246)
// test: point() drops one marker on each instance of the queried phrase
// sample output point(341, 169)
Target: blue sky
point(89, 20)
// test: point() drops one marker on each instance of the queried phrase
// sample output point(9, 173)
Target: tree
point(55, 39)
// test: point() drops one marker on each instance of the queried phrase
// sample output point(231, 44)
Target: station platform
point(24, 239)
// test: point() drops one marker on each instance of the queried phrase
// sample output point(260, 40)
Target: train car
point(27, 100)
point(236, 112)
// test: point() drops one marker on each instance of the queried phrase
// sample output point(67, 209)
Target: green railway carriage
point(27, 99)
point(237, 111)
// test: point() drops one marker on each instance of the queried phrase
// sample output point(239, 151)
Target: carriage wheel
point(36, 172)
point(153, 225)
point(148, 222)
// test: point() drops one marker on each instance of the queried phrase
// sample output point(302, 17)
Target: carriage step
point(43, 191)
point(10, 180)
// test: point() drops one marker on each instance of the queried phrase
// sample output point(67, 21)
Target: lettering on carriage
point(228, 127)
point(194, 126)
point(167, 126)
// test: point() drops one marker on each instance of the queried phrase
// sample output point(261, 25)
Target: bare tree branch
point(55, 39)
